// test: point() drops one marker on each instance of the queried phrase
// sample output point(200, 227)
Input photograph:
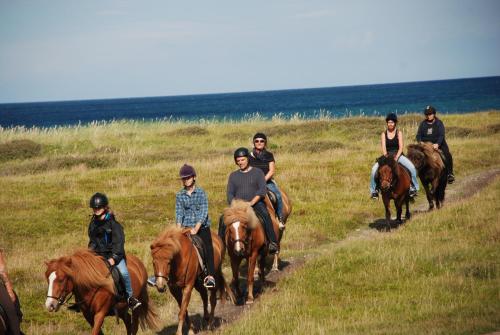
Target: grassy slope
point(323, 164)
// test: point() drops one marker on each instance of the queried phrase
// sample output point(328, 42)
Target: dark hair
point(391, 117)
point(260, 135)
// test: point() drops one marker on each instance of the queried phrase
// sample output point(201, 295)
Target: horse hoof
point(275, 269)
point(249, 301)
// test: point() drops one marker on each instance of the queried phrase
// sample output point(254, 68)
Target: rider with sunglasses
point(264, 160)
point(107, 239)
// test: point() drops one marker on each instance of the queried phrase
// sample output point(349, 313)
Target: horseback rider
point(9, 301)
point(191, 211)
point(107, 239)
point(264, 160)
point(392, 144)
point(432, 130)
point(249, 184)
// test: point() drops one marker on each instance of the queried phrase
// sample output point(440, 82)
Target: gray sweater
point(246, 185)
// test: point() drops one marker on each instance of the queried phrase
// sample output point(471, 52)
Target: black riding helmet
point(391, 117)
point(260, 135)
point(187, 171)
point(241, 152)
point(98, 200)
point(429, 110)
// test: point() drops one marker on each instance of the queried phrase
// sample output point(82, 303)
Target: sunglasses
point(259, 141)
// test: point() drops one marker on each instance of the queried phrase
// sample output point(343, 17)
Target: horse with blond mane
point(176, 264)
point(87, 277)
point(245, 239)
point(431, 171)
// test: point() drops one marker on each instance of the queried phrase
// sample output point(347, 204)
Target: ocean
point(448, 96)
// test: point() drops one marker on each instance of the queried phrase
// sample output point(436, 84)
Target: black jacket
point(107, 238)
point(433, 133)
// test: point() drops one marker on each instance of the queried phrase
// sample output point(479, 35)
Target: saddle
point(121, 292)
point(200, 251)
point(273, 198)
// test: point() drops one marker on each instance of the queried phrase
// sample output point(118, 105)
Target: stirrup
point(209, 282)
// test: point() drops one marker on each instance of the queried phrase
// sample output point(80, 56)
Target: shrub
point(19, 149)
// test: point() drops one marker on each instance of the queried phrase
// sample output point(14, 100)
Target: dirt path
point(227, 313)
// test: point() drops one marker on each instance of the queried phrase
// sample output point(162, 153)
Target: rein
point(167, 279)
point(246, 241)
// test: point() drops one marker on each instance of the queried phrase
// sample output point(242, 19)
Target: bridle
point(245, 242)
point(164, 276)
point(62, 299)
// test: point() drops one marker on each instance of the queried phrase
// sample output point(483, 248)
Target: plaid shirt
point(191, 209)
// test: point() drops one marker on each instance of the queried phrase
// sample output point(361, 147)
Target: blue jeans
point(403, 161)
point(122, 267)
point(279, 206)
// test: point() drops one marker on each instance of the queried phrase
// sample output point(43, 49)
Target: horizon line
point(242, 92)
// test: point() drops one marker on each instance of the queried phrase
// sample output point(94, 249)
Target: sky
point(72, 50)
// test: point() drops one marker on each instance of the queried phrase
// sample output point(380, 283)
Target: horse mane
point(389, 161)
point(241, 210)
point(86, 269)
point(168, 242)
point(431, 156)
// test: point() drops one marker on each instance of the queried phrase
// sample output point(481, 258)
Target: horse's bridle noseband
point(61, 300)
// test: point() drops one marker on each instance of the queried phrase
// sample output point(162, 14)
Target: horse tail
point(148, 316)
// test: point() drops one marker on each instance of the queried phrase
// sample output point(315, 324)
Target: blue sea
point(448, 96)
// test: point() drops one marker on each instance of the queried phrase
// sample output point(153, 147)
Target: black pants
point(12, 310)
point(449, 158)
point(208, 249)
point(261, 210)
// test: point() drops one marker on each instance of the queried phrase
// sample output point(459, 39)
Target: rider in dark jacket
point(432, 130)
point(107, 239)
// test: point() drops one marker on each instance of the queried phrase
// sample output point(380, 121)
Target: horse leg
point(213, 303)
point(399, 209)
point(386, 200)
point(407, 202)
point(276, 261)
point(428, 195)
point(127, 321)
point(204, 299)
point(183, 315)
point(250, 279)
point(98, 321)
point(235, 267)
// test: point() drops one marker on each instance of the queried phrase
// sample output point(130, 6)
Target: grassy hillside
point(47, 176)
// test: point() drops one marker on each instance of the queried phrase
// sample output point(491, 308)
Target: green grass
point(323, 164)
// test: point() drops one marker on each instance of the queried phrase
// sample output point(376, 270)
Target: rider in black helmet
point(432, 130)
point(392, 144)
point(249, 184)
point(107, 240)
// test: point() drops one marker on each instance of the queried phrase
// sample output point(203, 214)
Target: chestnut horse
point(3, 326)
point(286, 210)
point(86, 275)
point(176, 264)
point(394, 183)
point(431, 171)
point(245, 239)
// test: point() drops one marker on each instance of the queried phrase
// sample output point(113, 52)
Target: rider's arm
point(440, 131)
point(202, 213)
point(255, 200)
point(272, 169)
point(92, 245)
point(230, 192)
point(5, 278)
point(400, 141)
point(384, 150)
point(179, 210)
point(118, 240)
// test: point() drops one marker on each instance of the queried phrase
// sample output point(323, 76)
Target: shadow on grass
point(198, 325)
point(381, 225)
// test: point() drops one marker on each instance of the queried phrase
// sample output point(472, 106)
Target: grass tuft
point(19, 149)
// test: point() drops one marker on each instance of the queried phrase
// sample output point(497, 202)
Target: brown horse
point(86, 276)
point(431, 171)
point(394, 183)
point(175, 263)
point(286, 210)
point(245, 239)
point(3, 326)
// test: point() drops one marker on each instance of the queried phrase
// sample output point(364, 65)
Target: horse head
point(387, 172)
point(163, 250)
point(60, 283)
point(240, 220)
